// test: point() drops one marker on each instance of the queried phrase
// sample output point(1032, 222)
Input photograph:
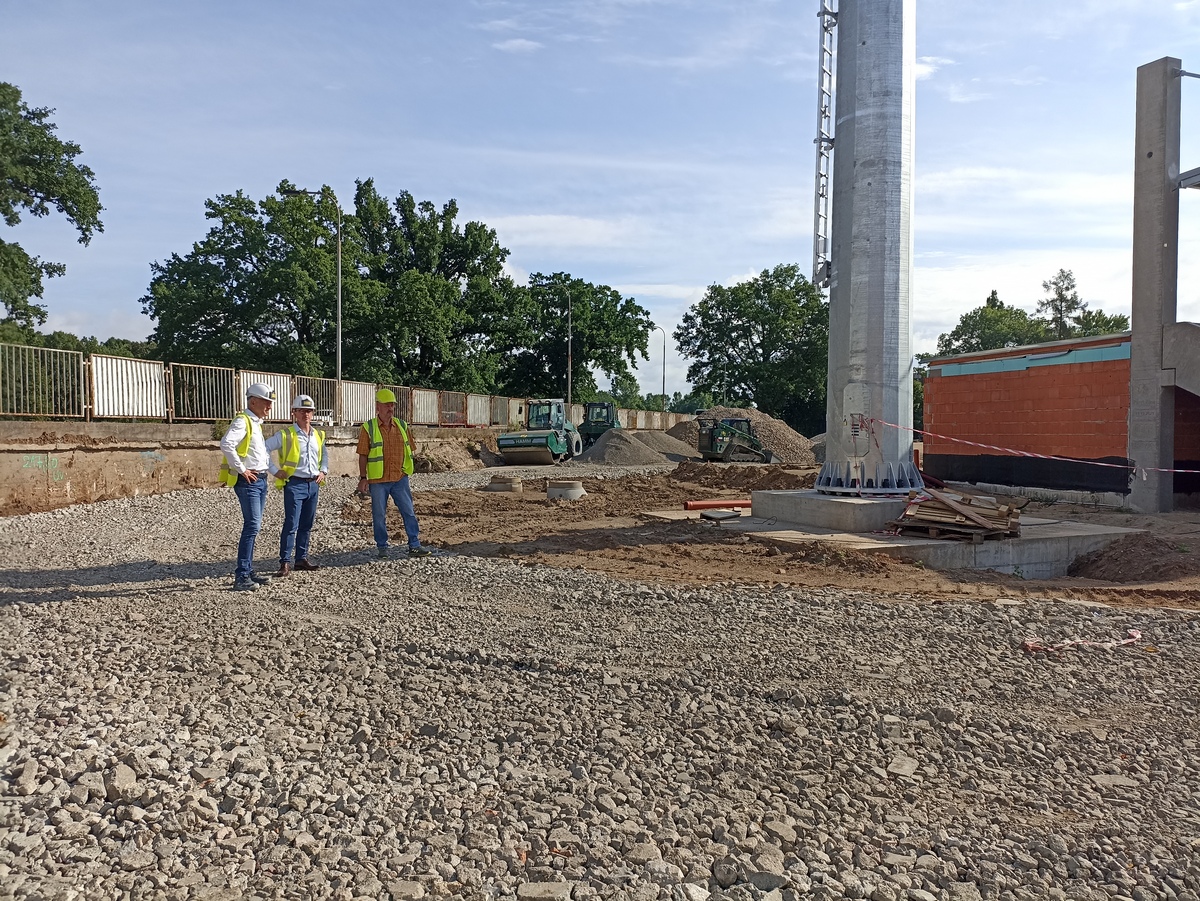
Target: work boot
point(418, 551)
point(382, 553)
point(284, 569)
point(305, 566)
point(259, 578)
point(245, 585)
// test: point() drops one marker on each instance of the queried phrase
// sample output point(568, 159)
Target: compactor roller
point(548, 437)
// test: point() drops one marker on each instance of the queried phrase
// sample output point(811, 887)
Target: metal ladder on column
point(824, 142)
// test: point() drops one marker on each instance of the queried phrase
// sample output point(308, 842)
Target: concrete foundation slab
point(1044, 550)
point(839, 513)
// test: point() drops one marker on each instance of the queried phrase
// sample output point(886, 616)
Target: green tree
point(438, 309)
point(259, 290)
point(1096, 322)
point(37, 172)
point(763, 341)
point(1062, 306)
point(607, 333)
point(992, 326)
point(690, 402)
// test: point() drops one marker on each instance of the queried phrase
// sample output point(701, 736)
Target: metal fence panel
point(479, 410)
point(202, 392)
point(278, 382)
point(124, 388)
point(516, 412)
point(452, 408)
point(424, 406)
point(499, 411)
point(38, 381)
point(358, 402)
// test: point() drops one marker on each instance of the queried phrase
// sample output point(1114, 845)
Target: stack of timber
point(942, 514)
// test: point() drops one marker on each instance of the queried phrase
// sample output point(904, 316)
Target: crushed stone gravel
point(469, 728)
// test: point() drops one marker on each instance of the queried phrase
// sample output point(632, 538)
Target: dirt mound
point(671, 448)
point(1137, 558)
point(450, 456)
point(785, 442)
point(620, 448)
point(746, 478)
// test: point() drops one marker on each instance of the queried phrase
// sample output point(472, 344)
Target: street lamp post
point(664, 368)
point(292, 192)
point(568, 347)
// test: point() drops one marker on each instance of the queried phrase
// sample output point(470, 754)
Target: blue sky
point(658, 146)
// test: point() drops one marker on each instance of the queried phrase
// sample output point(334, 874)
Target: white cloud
point(927, 65)
point(518, 45)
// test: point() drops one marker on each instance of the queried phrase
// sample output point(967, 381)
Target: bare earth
point(607, 531)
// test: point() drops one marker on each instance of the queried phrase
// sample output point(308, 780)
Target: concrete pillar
point(871, 254)
point(1155, 276)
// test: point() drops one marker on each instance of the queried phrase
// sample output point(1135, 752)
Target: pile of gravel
point(671, 448)
point(469, 728)
point(619, 447)
point(785, 442)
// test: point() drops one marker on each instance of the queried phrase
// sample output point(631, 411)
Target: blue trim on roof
point(1028, 361)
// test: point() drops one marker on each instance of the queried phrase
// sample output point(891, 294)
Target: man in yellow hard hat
point(385, 461)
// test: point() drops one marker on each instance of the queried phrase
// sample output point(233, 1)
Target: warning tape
point(1021, 453)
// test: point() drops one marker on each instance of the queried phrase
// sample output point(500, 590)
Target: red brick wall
point(1073, 410)
point(1187, 425)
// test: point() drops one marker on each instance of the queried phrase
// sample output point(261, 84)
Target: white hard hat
point(304, 402)
point(258, 389)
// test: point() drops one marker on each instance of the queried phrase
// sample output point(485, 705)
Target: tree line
point(426, 300)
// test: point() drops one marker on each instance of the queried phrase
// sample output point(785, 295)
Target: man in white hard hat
point(303, 465)
point(246, 468)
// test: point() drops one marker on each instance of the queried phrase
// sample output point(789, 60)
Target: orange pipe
point(713, 505)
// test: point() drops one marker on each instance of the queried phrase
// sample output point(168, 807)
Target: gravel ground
point(468, 727)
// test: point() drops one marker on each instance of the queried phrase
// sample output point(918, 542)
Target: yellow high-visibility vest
point(289, 452)
point(226, 476)
point(375, 451)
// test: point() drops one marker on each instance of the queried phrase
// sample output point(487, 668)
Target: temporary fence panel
point(499, 411)
point(358, 402)
point(202, 392)
point(278, 382)
point(38, 381)
point(453, 408)
point(516, 412)
point(627, 418)
point(575, 413)
point(641, 419)
point(424, 407)
point(124, 388)
point(479, 410)
point(324, 395)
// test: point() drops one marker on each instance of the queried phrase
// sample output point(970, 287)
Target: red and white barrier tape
point(1021, 453)
point(1032, 645)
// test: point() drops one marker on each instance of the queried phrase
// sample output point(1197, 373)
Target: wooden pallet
point(957, 517)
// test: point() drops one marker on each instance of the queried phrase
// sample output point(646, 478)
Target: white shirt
point(256, 457)
point(309, 465)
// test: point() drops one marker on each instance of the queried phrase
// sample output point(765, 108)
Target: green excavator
point(548, 437)
point(732, 441)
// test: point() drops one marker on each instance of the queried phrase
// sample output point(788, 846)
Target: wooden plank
point(965, 511)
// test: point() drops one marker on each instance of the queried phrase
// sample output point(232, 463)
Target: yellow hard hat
point(385, 396)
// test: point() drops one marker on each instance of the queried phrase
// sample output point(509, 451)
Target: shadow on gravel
point(54, 585)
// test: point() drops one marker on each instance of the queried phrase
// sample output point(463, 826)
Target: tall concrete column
point(1155, 276)
point(871, 255)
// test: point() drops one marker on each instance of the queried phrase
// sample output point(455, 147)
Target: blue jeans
point(253, 497)
point(299, 514)
point(400, 493)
